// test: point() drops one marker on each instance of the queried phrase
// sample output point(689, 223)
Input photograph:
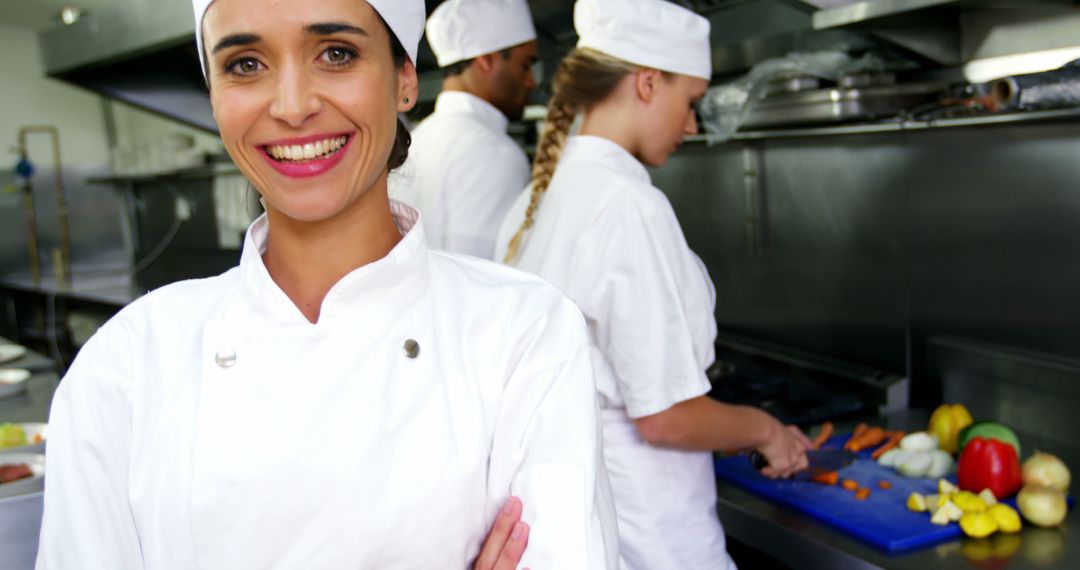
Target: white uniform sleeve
point(657, 303)
point(88, 521)
point(547, 451)
point(484, 186)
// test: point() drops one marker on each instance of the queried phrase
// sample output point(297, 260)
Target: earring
point(406, 100)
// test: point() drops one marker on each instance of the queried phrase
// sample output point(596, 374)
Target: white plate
point(13, 381)
point(32, 430)
point(9, 352)
point(36, 462)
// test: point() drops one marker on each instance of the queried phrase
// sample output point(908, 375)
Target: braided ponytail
point(552, 140)
point(585, 77)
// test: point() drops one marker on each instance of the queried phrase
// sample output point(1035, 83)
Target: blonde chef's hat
point(405, 18)
point(651, 33)
point(463, 29)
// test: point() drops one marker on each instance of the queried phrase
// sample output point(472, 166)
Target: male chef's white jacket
point(209, 425)
point(463, 174)
point(610, 241)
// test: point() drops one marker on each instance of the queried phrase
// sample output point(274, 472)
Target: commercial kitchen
point(884, 194)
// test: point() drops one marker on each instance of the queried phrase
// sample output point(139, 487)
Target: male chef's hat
point(459, 30)
point(405, 18)
point(651, 33)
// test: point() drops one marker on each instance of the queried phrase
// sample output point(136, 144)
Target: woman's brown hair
point(400, 152)
point(585, 77)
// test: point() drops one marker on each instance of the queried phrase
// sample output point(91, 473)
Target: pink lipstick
point(305, 157)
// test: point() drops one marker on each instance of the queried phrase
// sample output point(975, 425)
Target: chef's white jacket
point(463, 174)
point(209, 425)
point(611, 242)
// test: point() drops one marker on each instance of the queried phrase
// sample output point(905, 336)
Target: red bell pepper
point(989, 464)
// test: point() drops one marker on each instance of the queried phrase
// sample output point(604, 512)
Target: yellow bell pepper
point(946, 423)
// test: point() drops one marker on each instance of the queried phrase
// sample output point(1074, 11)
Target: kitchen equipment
point(11, 352)
point(882, 520)
point(63, 250)
point(797, 387)
point(1047, 90)
point(860, 97)
point(36, 462)
point(13, 381)
point(793, 84)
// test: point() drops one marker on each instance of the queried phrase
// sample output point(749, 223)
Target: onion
point(1046, 470)
point(1042, 506)
point(940, 465)
point(916, 464)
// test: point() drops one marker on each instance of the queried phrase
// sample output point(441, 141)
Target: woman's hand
point(506, 542)
point(785, 451)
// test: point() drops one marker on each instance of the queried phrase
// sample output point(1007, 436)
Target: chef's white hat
point(463, 29)
point(651, 33)
point(405, 18)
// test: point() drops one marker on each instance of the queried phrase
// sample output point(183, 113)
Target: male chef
point(464, 171)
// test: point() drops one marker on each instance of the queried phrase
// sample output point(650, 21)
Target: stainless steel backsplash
point(863, 247)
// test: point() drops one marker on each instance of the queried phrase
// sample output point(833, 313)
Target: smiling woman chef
point(344, 398)
point(593, 225)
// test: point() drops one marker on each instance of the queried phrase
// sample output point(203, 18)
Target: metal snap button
point(412, 348)
point(225, 358)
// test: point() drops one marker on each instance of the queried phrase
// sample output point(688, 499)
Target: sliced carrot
point(862, 494)
point(893, 441)
point(826, 478)
point(859, 430)
point(849, 484)
point(885, 485)
point(871, 437)
point(823, 435)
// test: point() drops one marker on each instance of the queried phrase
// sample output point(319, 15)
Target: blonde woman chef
point(345, 398)
point(593, 225)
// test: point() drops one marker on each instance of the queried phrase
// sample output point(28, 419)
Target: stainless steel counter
point(116, 289)
point(32, 405)
point(20, 517)
point(802, 542)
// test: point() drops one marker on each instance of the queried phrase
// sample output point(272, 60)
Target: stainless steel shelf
point(877, 11)
point(894, 126)
point(209, 171)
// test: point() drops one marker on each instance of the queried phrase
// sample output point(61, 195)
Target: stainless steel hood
point(142, 51)
point(138, 51)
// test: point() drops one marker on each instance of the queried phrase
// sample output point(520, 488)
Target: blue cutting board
point(882, 520)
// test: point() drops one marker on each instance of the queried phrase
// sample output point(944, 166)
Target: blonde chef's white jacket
point(463, 174)
point(209, 425)
point(610, 241)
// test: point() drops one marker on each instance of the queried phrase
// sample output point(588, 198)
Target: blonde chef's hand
point(506, 542)
point(785, 451)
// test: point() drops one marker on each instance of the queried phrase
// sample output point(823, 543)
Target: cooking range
point(797, 387)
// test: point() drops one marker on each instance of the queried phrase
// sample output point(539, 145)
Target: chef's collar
point(449, 102)
point(589, 147)
point(389, 283)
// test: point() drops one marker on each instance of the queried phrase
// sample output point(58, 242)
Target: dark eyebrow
point(236, 40)
point(331, 28)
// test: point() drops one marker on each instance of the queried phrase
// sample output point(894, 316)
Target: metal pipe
point(63, 274)
point(755, 202)
point(31, 230)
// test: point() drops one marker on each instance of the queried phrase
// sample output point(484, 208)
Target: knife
point(820, 460)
